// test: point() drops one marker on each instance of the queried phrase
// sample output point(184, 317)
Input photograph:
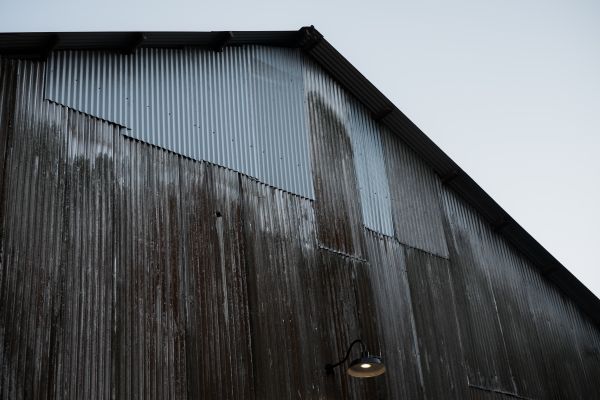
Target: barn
point(220, 215)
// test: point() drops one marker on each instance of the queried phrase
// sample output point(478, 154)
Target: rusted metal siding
point(415, 198)
point(242, 108)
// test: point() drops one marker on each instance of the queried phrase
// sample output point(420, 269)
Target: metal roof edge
point(311, 41)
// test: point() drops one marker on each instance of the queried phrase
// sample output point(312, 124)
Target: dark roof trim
point(39, 45)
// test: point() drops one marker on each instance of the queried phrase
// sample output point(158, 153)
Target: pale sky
point(509, 89)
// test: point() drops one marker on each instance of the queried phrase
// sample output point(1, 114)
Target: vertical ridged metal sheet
point(242, 108)
point(373, 183)
point(435, 311)
point(481, 329)
point(7, 98)
point(218, 336)
point(513, 319)
point(415, 193)
point(393, 317)
point(337, 201)
point(367, 150)
point(304, 309)
point(150, 313)
point(57, 276)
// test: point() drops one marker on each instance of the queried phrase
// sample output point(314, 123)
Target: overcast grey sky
point(509, 89)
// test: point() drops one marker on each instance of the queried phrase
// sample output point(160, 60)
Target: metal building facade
point(132, 269)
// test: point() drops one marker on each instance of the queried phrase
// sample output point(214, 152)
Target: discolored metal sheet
point(217, 332)
point(415, 193)
point(302, 300)
point(242, 108)
point(386, 282)
point(8, 80)
point(481, 329)
point(150, 353)
point(337, 205)
point(435, 312)
point(364, 135)
point(504, 300)
point(57, 280)
point(374, 188)
point(278, 244)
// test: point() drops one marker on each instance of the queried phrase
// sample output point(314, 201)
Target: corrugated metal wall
point(242, 108)
point(128, 271)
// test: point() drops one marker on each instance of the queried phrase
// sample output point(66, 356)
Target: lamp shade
point(367, 366)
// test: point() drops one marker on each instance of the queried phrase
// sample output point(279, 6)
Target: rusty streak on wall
point(131, 272)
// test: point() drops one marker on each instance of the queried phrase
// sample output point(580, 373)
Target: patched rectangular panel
point(242, 108)
point(415, 194)
point(337, 205)
point(366, 150)
point(369, 160)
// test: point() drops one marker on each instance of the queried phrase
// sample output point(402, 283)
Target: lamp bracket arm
point(363, 349)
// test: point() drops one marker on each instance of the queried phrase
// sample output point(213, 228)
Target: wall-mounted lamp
point(367, 366)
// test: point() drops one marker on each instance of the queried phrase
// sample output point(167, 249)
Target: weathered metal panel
point(435, 312)
point(511, 286)
point(373, 184)
point(561, 357)
point(217, 337)
point(57, 279)
point(302, 300)
point(415, 197)
point(504, 299)
point(337, 205)
point(366, 148)
point(481, 329)
point(386, 282)
point(278, 245)
point(151, 323)
point(242, 108)
point(8, 78)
